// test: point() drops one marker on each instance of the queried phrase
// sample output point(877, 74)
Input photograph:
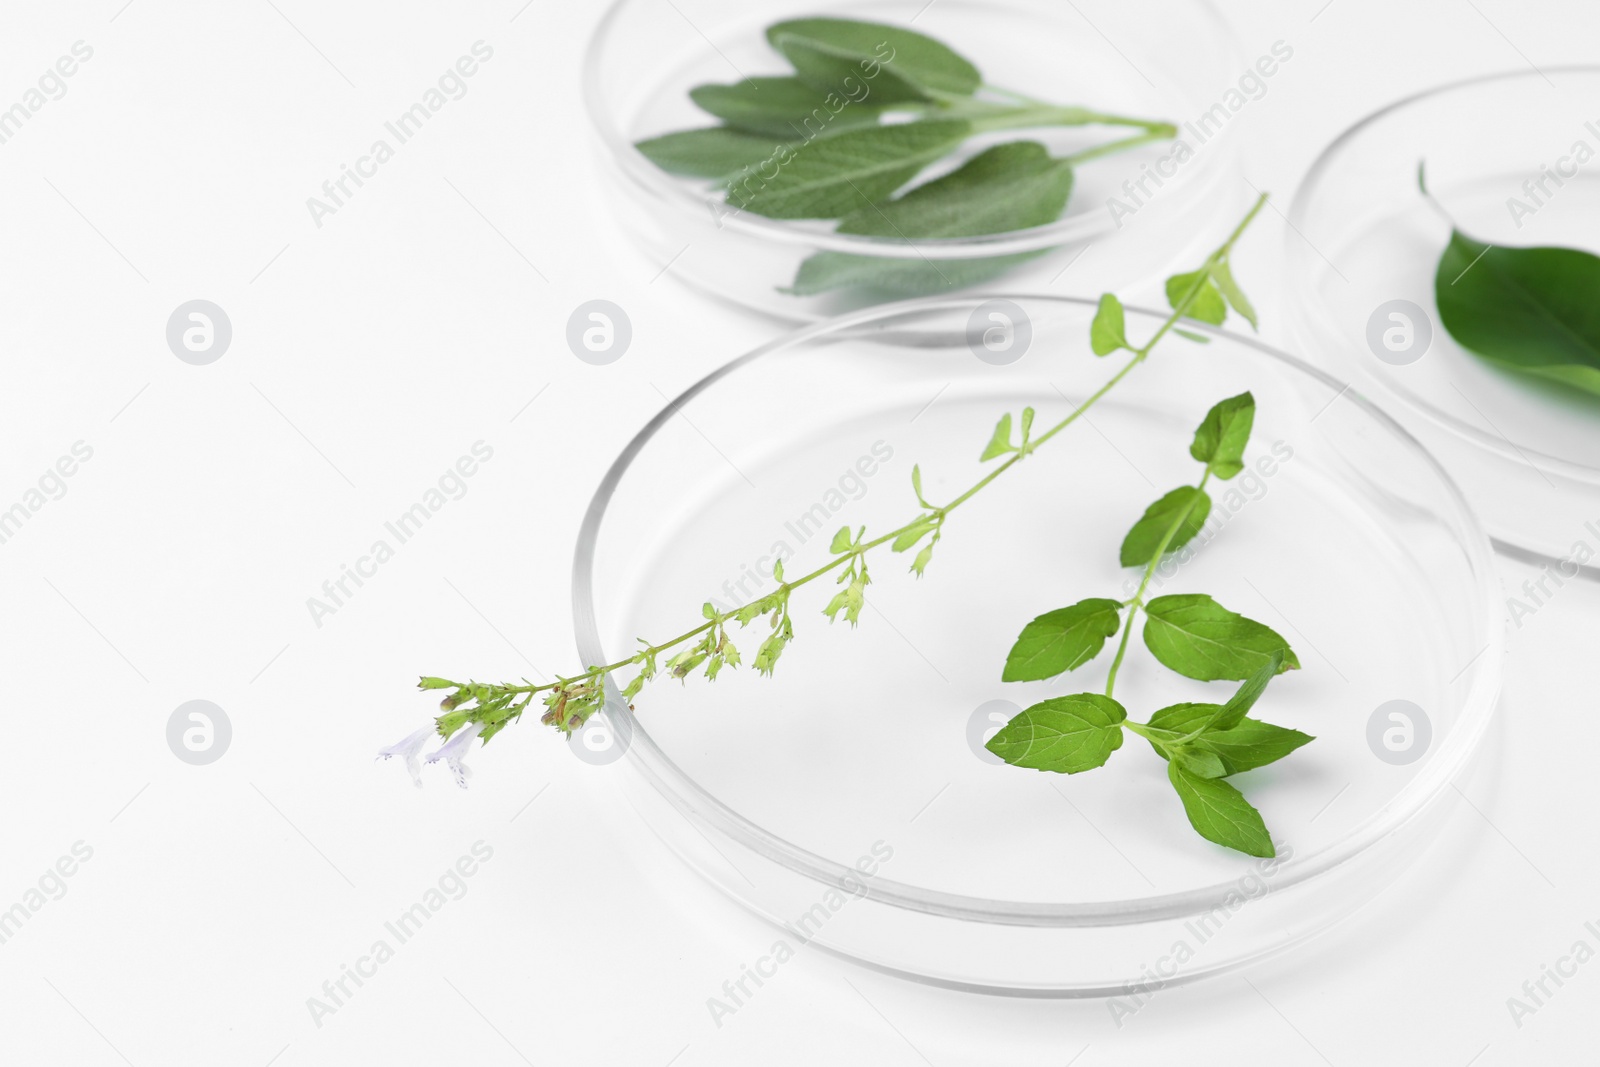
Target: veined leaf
point(1007, 187)
point(1220, 813)
point(1062, 640)
point(894, 63)
point(1108, 332)
point(1532, 310)
point(711, 153)
point(1064, 734)
point(783, 107)
point(833, 176)
point(1199, 638)
point(1187, 501)
point(1221, 438)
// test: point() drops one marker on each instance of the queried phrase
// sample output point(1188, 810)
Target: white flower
point(407, 748)
point(454, 750)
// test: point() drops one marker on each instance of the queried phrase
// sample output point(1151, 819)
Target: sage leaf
point(1108, 331)
point(1063, 734)
point(1007, 187)
point(1206, 304)
point(1220, 813)
point(1199, 638)
point(1221, 438)
point(1062, 640)
point(783, 107)
point(1187, 502)
point(1530, 310)
point(716, 152)
point(893, 63)
point(832, 176)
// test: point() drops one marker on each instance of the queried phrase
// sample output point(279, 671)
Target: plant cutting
point(867, 109)
point(1192, 634)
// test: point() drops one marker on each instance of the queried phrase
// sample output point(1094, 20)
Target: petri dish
point(1363, 249)
point(863, 752)
point(645, 56)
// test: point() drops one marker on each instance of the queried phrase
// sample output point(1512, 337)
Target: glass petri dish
point(863, 751)
point(645, 56)
point(1364, 246)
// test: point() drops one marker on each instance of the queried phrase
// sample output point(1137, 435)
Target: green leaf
point(1195, 760)
point(1062, 640)
point(1207, 304)
point(1063, 734)
point(1246, 745)
point(833, 176)
point(1190, 335)
point(1222, 275)
point(916, 484)
point(913, 533)
point(786, 108)
point(1010, 186)
point(1531, 310)
point(1108, 332)
point(1188, 502)
point(711, 153)
point(893, 63)
point(1199, 638)
point(1220, 813)
point(1244, 698)
point(1220, 440)
point(841, 541)
point(1000, 442)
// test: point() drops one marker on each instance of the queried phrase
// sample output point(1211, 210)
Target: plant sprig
point(867, 109)
point(1190, 634)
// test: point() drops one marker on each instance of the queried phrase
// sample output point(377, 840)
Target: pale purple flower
point(454, 751)
point(407, 748)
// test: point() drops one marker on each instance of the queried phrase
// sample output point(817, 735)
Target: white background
point(370, 353)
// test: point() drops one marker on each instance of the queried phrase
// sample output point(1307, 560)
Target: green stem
point(594, 673)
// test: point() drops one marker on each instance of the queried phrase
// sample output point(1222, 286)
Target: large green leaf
point(1535, 310)
point(1062, 640)
point(1220, 813)
point(833, 176)
point(893, 63)
point(1063, 734)
point(1007, 187)
point(786, 108)
point(1199, 638)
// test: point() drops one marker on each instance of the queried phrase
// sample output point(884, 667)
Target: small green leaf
point(916, 484)
point(1027, 424)
point(1006, 187)
point(1190, 335)
point(1000, 441)
point(1219, 812)
point(913, 533)
point(1529, 310)
point(1222, 275)
point(1108, 332)
point(893, 63)
point(1199, 638)
point(1220, 441)
point(1063, 734)
point(1244, 698)
point(1187, 506)
point(1206, 303)
point(708, 610)
point(841, 541)
point(1062, 640)
point(833, 176)
point(710, 153)
point(786, 108)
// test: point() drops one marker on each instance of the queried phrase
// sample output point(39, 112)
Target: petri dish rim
point(697, 803)
point(663, 188)
point(1301, 266)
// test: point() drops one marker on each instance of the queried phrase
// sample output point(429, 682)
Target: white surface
point(367, 356)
